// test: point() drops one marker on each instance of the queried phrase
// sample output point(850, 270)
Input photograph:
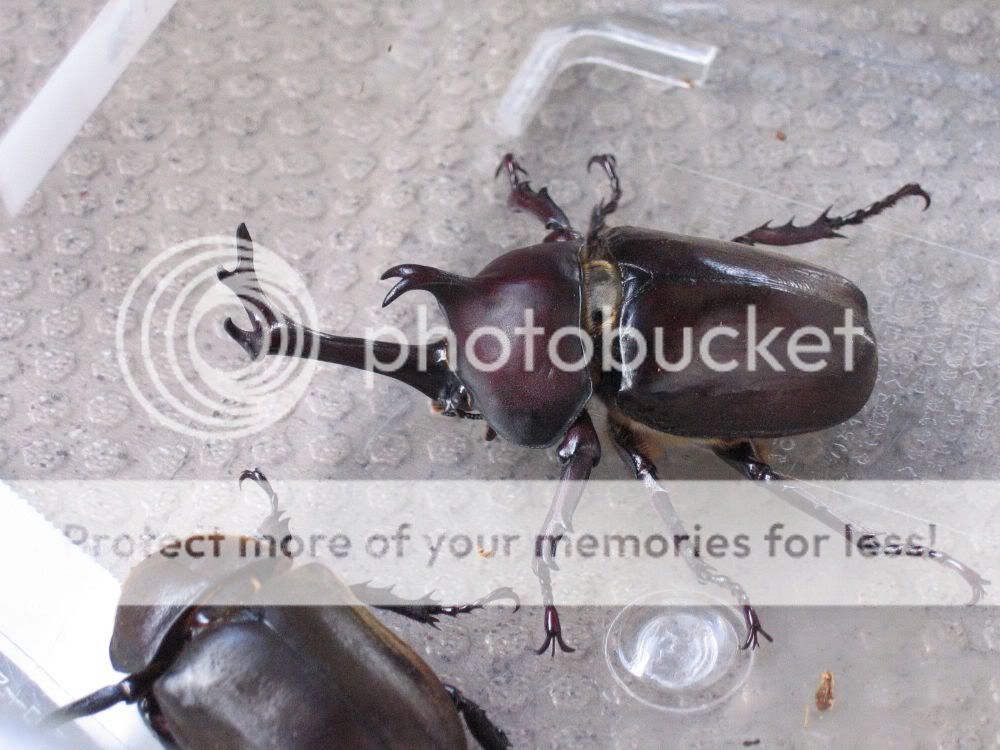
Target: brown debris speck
point(824, 695)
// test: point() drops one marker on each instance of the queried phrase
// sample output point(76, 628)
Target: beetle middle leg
point(747, 458)
point(538, 203)
point(425, 610)
point(826, 226)
point(644, 469)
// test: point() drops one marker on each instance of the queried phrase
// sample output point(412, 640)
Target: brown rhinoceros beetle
point(216, 658)
point(615, 286)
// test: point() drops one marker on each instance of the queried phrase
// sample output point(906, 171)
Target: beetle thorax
point(602, 296)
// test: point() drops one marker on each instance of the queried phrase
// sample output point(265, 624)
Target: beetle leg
point(422, 367)
point(579, 452)
point(553, 633)
point(604, 209)
point(426, 610)
point(645, 470)
point(133, 688)
point(487, 734)
point(746, 457)
point(826, 226)
point(275, 525)
point(540, 204)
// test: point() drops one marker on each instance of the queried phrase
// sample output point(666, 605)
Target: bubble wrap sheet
point(352, 136)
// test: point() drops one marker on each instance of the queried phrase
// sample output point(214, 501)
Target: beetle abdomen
point(682, 294)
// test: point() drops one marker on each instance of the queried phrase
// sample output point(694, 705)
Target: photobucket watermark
point(742, 344)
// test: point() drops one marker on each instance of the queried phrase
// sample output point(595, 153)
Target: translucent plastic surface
point(353, 136)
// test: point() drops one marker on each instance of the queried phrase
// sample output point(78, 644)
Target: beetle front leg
point(748, 459)
point(826, 226)
point(579, 452)
point(539, 204)
point(645, 470)
point(133, 688)
point(604, 209)
point(487, 734)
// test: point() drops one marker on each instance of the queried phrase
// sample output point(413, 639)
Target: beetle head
point(504, 373)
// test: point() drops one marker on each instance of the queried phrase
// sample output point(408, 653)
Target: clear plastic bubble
point(678, 651)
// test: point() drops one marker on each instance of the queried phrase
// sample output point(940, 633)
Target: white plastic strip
point(629, 45)
point(51, 121)
point(57, 608)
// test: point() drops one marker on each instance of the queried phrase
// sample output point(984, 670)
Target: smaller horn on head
point(412, 276)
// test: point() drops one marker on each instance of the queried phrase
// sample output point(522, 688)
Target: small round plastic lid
point(678, 650)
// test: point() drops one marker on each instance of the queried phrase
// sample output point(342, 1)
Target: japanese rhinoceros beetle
point(267, 675)
point(617, 285)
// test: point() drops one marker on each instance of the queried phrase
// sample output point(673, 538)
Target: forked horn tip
point(395, 272)
point(398, 290)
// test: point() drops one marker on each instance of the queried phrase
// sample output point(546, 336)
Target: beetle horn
point(423, 367)
point(411, 276)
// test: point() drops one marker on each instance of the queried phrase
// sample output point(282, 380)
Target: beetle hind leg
point(630, 448)
point(826, 226)
point(538, 203)
point(748, 458)
point(487, 734)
